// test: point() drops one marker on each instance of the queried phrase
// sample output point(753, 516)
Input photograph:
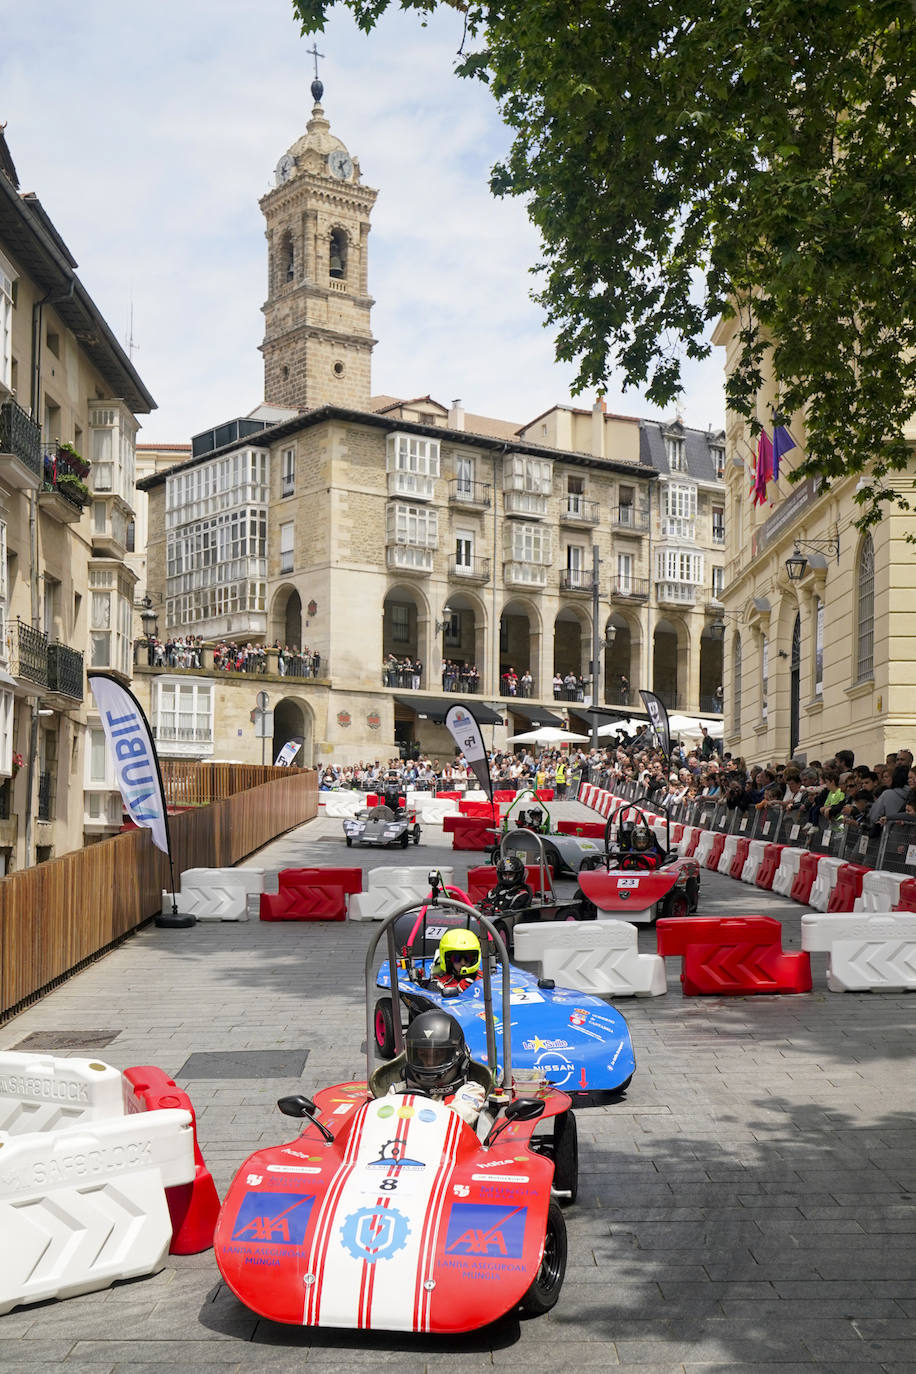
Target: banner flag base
point(175, 920)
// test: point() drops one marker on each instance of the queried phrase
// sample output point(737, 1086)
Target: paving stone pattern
point(750, 1205)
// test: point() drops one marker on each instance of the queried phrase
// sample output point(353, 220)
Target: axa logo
point(482, 1230)
point(273, 1218)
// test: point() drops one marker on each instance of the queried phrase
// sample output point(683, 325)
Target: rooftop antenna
point(130, 342)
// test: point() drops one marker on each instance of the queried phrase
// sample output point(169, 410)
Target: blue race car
point(572, 1039)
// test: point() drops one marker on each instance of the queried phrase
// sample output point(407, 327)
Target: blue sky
point(149, 133)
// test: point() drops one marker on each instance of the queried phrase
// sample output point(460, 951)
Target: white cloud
point(150, 134)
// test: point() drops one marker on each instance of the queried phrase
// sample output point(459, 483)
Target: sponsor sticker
point(483, 1230)
point(374, 1233)
point(272, 1218)
point(292, 1169)
point(500, 1178)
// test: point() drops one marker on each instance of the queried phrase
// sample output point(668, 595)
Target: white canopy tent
point(547, 734)
point(631, 724)
point(692, 725)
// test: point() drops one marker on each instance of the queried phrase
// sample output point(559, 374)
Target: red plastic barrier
point(470, 832)
point(480, 809)
point(545, 794)
point(482, 878)
point(451, 796)
point(589, 830)
point(503, 795)
point(311, 894)
point(733, 955)
point(907, 897)
point(715, 853)
point(677, 833)
point(740, 859)
point(847, 888)
point(694, 841)
point(768, 866)
point(193, 1207)
point(803, 881)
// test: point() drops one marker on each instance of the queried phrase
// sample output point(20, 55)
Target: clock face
point(285, 168)
point(340, 165)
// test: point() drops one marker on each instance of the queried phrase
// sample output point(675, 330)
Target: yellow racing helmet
point(458, 954)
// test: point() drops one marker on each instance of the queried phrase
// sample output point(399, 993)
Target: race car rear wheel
point(404, 841)
point(384, 1028)
point(416, 834)
point(566, 1155)
point(544, 1291)
point(349, 842)
point(678, 906)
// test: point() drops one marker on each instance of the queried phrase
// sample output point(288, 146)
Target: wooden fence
point(57, 915)
point(188, 783)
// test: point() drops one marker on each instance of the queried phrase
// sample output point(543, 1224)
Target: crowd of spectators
point(460, 677)
point(514, 686)
point(402, 672)
point(186, 651)
point(429, 774)
point(568, 688)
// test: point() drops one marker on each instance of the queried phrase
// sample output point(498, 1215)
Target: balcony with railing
point(65, 673)
point(527, 503)
point(630, 518)
point(524, 574)
point(63, 491)
point(578, 511)
point(676, 593)
point(467, 493)
point(415, 485)
point(629, 588)
point(472, 569)
point(20, 447)
point(718, 535)
point(28, 653)
point(576, 580)
point(409, 558)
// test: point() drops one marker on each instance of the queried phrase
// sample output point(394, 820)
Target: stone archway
point(519, 645)
point(405, 637)
point(667, 672)
point(464, 643)
point(286, 618)
point(571, 649)
point(619, 686)
point(293, 721)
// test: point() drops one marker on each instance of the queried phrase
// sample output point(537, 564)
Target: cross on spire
point(313, 52)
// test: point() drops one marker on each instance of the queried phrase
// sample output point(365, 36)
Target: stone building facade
point(825, 658)
point(364, 534)
point(69, 398)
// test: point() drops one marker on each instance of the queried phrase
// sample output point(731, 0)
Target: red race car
point(390, 1211)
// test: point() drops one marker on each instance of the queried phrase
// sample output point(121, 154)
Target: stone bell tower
point(318, 335)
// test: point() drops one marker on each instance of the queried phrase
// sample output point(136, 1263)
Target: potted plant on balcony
point(73, 461)
point(71, 486)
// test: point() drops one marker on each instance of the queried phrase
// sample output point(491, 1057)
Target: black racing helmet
point(437, 1056)
point(510, 871)
point(641, 838)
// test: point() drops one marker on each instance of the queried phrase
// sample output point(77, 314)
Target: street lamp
point(441, 624)
point(150, 622)
point(797, 563)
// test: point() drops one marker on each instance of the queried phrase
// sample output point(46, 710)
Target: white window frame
point(7, 277)
point(417, 526)
point(674, 452)
point(287, 546)
point(524, 543)
point(464, 549)
point(718, 582)
point(184, 711)
point(624, 573)
point(287, 472)
point(464, 475)
point(818, 647)
point(407, 453)
point(533, 475)
point(679, 565)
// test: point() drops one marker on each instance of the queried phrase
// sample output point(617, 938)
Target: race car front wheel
point(404, 840)
point(416, 834)
point(566, 1155)
point(544, 1291)
point(349, 842)
point(384, 1028)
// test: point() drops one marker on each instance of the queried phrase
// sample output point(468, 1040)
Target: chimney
point(598, 413)
point(456, 415)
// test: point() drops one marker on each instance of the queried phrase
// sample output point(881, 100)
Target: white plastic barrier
point(727, 857)
point(707, 840)
point(880, 891)
point(789, 861)
point(434, 809)
point(754, 859)
point(342, 805)
point(825, 881)
point(866, 951)
point(388, 888)
point(39, 1092)
point(216, 903)
point(85, 1206)
point(247, 880)
point(600, 957)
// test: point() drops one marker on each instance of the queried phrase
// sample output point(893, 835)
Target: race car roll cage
point(614, 819)
point(437, 902)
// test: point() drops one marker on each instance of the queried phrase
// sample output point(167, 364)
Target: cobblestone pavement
point(748, 1206)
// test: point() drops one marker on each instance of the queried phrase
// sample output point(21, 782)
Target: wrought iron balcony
point(629, 518)
point(629, 588)
point(578, 511)
point(20, 446)
point(576, 580)
point(65, 671)
point(473, 570)
point(62, 477)
point(29, 653)
point(467, 493)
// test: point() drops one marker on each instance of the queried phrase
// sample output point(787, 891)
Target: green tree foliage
point(687, 160)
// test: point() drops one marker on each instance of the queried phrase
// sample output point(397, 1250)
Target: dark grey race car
point(381, 825)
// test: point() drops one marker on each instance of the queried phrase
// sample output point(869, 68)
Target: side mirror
point(525, 1109)
point(297, 1106)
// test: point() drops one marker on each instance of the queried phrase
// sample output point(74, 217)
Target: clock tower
point(318, 336)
